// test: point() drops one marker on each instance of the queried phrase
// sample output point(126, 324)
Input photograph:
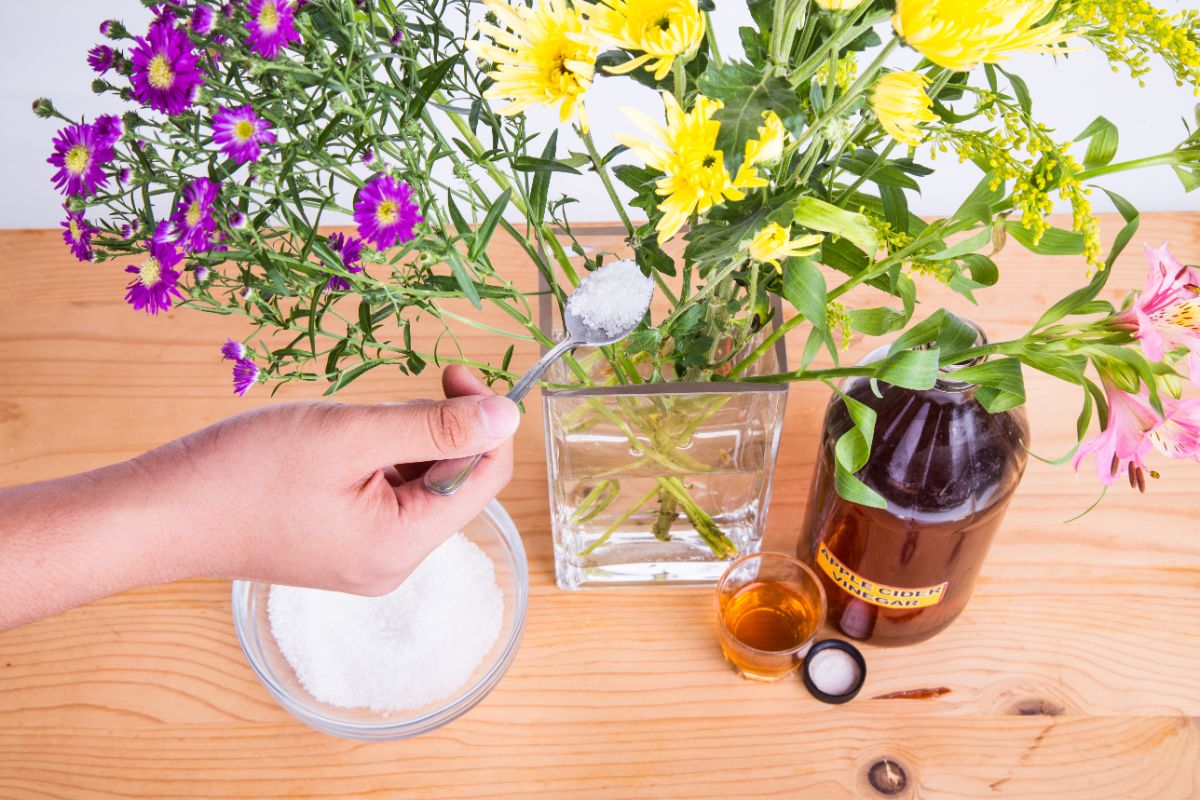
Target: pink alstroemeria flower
point(1167, 312)
point(1134, 429)
point(1179, 434)
point(1125, 442)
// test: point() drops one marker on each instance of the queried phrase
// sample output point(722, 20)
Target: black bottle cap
point(813, 685)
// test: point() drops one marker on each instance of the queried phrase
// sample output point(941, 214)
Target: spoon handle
point(446, 477)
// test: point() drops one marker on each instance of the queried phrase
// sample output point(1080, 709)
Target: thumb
point(404, 433)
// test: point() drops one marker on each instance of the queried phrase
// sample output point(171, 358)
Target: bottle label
point(878, 594)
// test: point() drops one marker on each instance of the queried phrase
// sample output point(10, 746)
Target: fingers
point(382, 435)
point(458, 381)
point(428, 519)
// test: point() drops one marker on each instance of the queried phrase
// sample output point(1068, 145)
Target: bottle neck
point(946, 381)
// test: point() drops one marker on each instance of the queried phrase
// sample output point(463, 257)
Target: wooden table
point(1073, 674)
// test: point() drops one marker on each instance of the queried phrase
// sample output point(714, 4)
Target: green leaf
point(851, 452)
point(746, 92)
point(804, 288)
point(540, 187)
point(463, 277)
point(1101, 136)
point(1020, 89)
point(344, 378)
point(483, 234)
point(1054, 242)
point(968, 245)
point(645, 340)
point(877, 321)
point(923, 332)
point(910, 369)
point(431, 78)
point(1001, 385)
point(980, 204)
point(1188, 176)
point(828, 218)
point(533, 164)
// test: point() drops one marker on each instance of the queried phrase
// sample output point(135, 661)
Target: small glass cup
point(770, 608)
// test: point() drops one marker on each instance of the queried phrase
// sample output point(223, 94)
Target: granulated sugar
point(417, 645)
point(613, 298)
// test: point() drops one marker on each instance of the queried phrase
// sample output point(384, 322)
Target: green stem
point(1173, 157)
point(604, 537)
point(713, 50)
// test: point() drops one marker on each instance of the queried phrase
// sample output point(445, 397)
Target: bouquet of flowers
point(247, 124)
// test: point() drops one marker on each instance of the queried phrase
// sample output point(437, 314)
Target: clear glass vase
point(659, 482)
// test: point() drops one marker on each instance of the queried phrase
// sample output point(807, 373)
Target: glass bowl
point(494, 532)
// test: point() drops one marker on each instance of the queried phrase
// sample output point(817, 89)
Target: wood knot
point(10, 412)
point(887, 777)
point(1036, 707)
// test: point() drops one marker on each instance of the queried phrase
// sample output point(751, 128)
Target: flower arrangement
point(247, 125)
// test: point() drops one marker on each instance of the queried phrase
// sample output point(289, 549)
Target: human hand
point(329, 495)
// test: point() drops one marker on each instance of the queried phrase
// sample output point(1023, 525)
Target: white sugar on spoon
point(605, 308)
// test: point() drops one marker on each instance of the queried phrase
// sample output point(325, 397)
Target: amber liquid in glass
point(766, 618)
point(947, 469)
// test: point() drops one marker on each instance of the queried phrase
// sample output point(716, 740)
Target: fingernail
point(500, 417)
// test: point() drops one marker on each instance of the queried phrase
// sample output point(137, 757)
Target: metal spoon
point(446, 477)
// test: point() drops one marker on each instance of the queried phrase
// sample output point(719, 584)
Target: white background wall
point(43, 45)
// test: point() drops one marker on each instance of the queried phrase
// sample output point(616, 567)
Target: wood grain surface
point(1072, 674)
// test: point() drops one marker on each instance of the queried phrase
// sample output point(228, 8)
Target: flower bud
point(113, 29)
point(42, 107)
point(100, 86)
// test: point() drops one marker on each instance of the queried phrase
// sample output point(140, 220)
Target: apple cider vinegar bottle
point(947, 469)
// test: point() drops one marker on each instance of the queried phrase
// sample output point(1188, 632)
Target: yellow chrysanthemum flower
point(839, 5)
point(660, 30)
point(539, 58)
point(961, 34)
point(900, 102)
point(766, 149)
point(773, 243)
point(685, 149)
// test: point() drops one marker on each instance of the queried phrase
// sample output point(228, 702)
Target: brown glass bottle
point(947, 469)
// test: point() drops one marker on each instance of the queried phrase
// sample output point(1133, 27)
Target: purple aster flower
point(201, 274)
point(237, 219)
point(233, 350)
point(165, 72)
point(101, 58)
point(123, 175)
point(108, 128)
point(193, 218)
point(239, 132)
point(349, 249)
point(369, 156)
point(245, 375)
point(80, 153)
point(397, 37)
point(106, 27)
point(202, 20)
point(272, 26)
point(156, 280)
point(77, 233)
point(385, 212)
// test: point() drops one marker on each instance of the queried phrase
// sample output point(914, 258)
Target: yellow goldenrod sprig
point(1129, 31)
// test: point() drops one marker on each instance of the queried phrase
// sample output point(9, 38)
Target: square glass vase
point(662, 483)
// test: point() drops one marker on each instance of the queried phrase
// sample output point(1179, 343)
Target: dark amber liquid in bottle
point(947, 469)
